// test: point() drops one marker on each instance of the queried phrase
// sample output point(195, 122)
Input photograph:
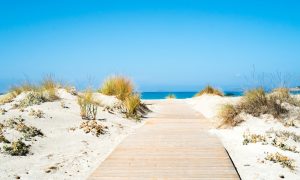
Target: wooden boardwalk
point(173, 144)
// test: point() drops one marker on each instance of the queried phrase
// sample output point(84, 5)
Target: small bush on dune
point(284, 161)
point(210, 90)
point(255, 102)
point(229, 115)
point(32, 98)
point(88, 105)
point(45, 91)
point(171, 96)
point(17, 148)
point(132, 104)
point(14, 92)
point(118, 86)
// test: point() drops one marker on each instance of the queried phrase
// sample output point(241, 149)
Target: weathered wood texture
point(173, 144)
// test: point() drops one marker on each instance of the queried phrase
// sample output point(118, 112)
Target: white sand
point(249, 159)
point(73, 152)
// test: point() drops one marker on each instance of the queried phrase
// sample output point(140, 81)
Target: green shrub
point(210, 90)
point(118, 86)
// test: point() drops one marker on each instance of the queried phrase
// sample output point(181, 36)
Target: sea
point(185, 95)
point(181, 95)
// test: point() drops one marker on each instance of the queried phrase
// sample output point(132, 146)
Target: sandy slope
point(72, 153)
point(249, 159)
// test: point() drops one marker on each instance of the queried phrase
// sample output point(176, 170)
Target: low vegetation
point(37, 113)
point(118, 86)
point(257, 102)
point(88, 105)
point(36, 94)
point(2, 111)
point(93, 127)
point(3, 139)
point(123, 89)
point(32, 98)
point(48, 88)
point(17, 148)
point(284, 161)
point(171, 96)
point(210, 90)
point(253, 138)
point(132, 104)
point(229, 115)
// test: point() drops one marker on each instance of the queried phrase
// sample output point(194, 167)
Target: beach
point(65, 151)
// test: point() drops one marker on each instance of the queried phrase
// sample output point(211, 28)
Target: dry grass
point(284, 161)
point(15, 91)
point(210, 90)
point(253, 138)
point(118, 86)
point(229, 115)
point(6, 98)
point(88, 105)
point(48, 87)
point(171, 96)
point(131, 104)
point(255, 102)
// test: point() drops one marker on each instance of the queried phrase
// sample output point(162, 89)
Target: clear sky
point(161, 45)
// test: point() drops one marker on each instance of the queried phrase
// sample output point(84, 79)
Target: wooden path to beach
point(173, 144)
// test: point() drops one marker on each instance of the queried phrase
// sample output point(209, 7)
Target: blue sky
point(161, 45)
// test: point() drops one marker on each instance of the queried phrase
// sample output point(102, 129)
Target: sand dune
point(65, 151)
point(250, 159)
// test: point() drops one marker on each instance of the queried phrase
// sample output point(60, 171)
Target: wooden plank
point(173, 144)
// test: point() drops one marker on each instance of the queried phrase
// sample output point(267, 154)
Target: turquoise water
point(181, 95)
point(185, 95)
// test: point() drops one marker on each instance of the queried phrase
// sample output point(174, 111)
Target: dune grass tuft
point(228, 113)
point(210, 90)
point(257, 102)
point(171, 96)
point(132, 103)
point(37, 94)
point(48, 87)
point(88, 105)
point(118, 86)
point(15, 91)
